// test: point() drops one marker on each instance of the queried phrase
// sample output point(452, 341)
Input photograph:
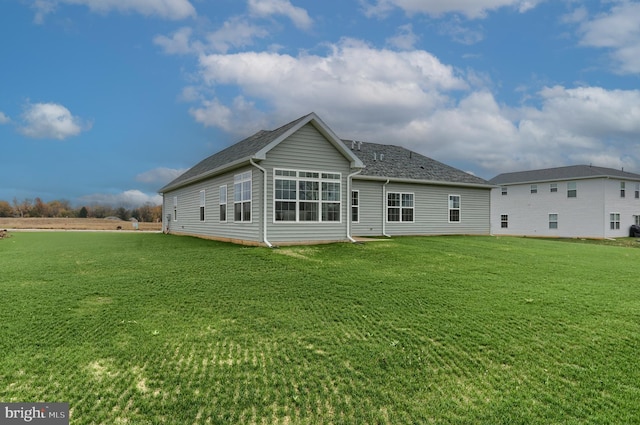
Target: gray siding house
point(301, 183)
point(575, 201)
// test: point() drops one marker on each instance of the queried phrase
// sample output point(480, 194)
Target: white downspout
point(264, 204)
point(349, 177)
point(384, 209)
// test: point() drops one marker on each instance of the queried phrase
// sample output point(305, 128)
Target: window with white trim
point(553, 221)
point(504, 221)
point(223, 203)
point(503, 190)
point(175, 208)
point(242, 197)
point(400, 207)
point(572, 190)
point(355, 206)
point(614, 221)
point(454, 208)
point(202, 201)
point(307, 196)
point(553, 187)
point(636, 220)
point(637, 191)
point(534, 188)
point(622, 189)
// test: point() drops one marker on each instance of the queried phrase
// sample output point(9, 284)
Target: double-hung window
point(553, 187)
point(242, 197)
point(614, 221)
point(223, 203)
point(553, 221)
point(307, 196)
point(202, 201)
point(355, 206)
point(622, 189)
point(454, 208)
point(637, 191)
point(572, 190)
point(534, 188)
point(175, 208)
point(504, 221)
point(503, 190)
point(400, 207)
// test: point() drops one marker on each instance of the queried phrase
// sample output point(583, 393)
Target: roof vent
point(359, 145)
point(381, 156)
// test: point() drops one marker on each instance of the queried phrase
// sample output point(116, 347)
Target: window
point(454, 208)
point(504, 221)
point(202, 199)
point(504, 190)
point(636, 220)
point(307, 196)
point(534, 188)
point(355, 206)
point(622, 189)
point(614, 221)
point(553, 221)
point(400, 207)
point(572, 190)
point(553, 187)
point(175, 208)
point(242, 196)
point(637, 190)
point(223, 203)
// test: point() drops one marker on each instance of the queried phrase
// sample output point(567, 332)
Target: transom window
point(400, 207)
point(307, 196)
point(242, 196)
point(454, 208)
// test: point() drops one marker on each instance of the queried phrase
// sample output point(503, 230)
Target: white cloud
point(51, 121)
point(4, 119)
point(266, 8)
point(168, 9)
point(236, 32)
point(178, 43)
point(405, 38)
point(159, 176)
point(472, 9)
point(128, 199)
point(618, 31)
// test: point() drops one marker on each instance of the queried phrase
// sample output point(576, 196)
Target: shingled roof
point(398, 163)
point(571, 172)
point(379, 161)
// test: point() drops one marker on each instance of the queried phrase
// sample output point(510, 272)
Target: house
point(300, 183)
point(575, 201)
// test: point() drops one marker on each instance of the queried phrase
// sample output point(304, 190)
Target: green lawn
point(152, 329)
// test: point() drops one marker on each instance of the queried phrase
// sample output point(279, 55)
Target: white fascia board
point(211, 173)
point(425, 182)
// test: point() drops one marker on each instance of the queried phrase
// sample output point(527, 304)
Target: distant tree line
point(63, 209)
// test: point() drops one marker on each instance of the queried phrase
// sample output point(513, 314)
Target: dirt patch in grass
point(74, 224)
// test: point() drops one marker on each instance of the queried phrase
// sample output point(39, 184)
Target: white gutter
point(384, 209)
point(264, 203)
point(349, 206)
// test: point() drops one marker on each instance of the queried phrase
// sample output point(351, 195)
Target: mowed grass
point(155, 329)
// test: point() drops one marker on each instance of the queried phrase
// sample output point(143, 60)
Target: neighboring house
point(575, 201)
point(300, 183)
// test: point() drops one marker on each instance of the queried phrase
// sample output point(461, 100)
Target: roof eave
point(203, 176)
point(602, 176)
point(420, 181)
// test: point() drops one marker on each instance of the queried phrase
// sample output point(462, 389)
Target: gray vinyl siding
point(189, 209)
point(306, 150)
point(431, 210)
point(371, 207)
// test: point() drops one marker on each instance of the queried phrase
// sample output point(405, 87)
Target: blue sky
point(108, 100)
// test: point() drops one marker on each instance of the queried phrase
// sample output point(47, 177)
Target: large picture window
point(454, 208)
point(400, 207)
point(242, 197)
point(307, 196)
